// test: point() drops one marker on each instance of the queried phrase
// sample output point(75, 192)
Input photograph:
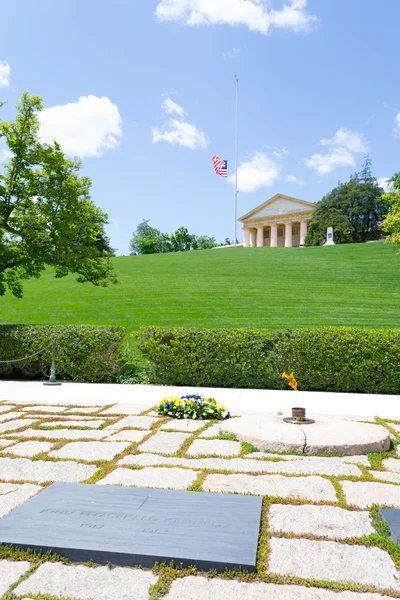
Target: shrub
point(192, 407)
point(333, 359)
point(84, 353)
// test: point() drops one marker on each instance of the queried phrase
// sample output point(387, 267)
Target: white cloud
point(171, 107)
point(294, 179)
point(5, 155)
point(344, 145)
point(257, 15)
point(280, 152)
point(260, 171)
point(232, 53)
point(178, 131)
point(82, 128)
point(384, 183)
point(5, 71)
point(345, 138)
point(396, 128)
point(181, 133)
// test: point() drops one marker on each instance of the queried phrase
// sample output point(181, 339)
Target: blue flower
point(206, 404)
point(167, 406)
point(228, 414)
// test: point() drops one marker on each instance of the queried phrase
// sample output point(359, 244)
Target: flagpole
point(236, 161)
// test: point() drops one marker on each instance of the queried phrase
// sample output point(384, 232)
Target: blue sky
point(144, 91)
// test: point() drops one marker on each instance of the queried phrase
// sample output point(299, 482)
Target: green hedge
point(324, 359)
point(84, 353)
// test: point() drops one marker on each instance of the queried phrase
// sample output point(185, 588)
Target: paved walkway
point(321, 536)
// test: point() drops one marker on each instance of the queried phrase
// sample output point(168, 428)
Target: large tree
point(46, 215)
point(355, 209)
point(149, 240)
point(392, 222)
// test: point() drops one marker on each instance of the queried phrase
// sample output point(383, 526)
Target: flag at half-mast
point(220, 166)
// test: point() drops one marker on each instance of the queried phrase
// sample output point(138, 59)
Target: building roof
point(300, 204)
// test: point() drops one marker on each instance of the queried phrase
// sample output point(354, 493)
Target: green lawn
point(349, 285)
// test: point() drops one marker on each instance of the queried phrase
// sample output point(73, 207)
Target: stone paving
point(318, 539)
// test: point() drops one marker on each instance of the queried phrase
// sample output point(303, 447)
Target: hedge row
point(84, 353)
point(323, 359)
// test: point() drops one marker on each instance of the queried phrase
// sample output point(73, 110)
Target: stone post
point(260, 237)
point(274, 235)
point(303, 232)
point(288, 235)
point(246, 238)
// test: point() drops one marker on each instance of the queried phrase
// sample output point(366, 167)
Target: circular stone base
point(332, 436)
point(303, 422)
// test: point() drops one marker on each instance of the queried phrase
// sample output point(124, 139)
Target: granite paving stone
point(216, 447)
point(127, 435)
point(40, 471)
point(133, 421)
point(88, 583)
point(11, 415)
point(269, 455)
point(187, 425)
point(392, 464)
point(30, 448)
point(84, 410)
point(93, 424)
point(13, 425)
point(5, 407)
point(324, 521)
point(6, 443)
point(58, 434)
point(10, 572)
point(333, 561)
point(386, 476)
point(174, 478)
point(90, 450)
point(211, 432)
point(365, 493)
point(13, 494)
point(201, 588)
point(125, 409)
point(307, 488)
point(44, 408)
point(246, 465)
point(164, 442)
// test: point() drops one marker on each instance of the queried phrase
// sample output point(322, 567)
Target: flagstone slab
point(307, 488)
point(164, 442)
point(10, 572)
point(174, 478)
point(13, 494)
point(6, 407)
point(324, 521)
point(311, 466)
point(59, 434)
point(127, 435)
point(211, 432)
point(365, 493)
point(333, 561)
point(30, 448)
point(88, 583)
point(332, 436)
point(270, 455)
point(84, 410)
point(40, 471)
point(186, 425)
point(10, 416)
point(201, 588)
point(125, 409)
point(133, 421)
point(93, 424)
point(45, 408)
point(386, 476)
point(6, 443)
point(392, 464)
point(90, 450)
point(18, 424)
point(214, 447)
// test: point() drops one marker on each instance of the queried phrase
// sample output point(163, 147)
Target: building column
point(288, 235)
point(246, 240)
point(253, 239)
point(274, 236)
point(260, 237)
point(303, 232)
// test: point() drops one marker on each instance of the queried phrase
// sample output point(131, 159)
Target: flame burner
point(298, 417)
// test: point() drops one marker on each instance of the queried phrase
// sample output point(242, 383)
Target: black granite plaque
point(136, 526)
point(392, 517)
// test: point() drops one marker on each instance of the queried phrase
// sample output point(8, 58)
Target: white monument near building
point(329, 237)
point(280, 221)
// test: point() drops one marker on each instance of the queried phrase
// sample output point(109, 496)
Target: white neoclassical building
point(280, 221)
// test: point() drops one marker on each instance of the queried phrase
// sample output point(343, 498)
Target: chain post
point(52, 379)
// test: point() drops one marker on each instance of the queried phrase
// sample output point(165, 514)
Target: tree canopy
point(46, 215)
point(148, 240)
point(355, 209)
point(392, 222)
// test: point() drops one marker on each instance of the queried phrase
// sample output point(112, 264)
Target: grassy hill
point(349, 285)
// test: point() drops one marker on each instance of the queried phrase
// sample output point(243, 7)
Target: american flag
point(220, 166)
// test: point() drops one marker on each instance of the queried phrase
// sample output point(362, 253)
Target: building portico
point(281, 221)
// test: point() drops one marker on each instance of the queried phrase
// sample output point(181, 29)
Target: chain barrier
point(26, 357)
